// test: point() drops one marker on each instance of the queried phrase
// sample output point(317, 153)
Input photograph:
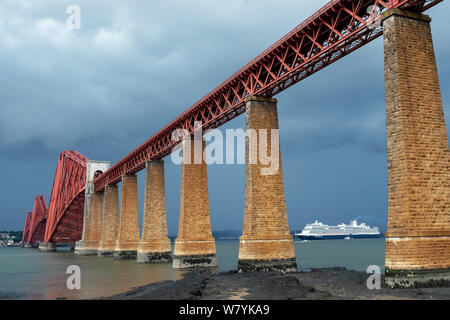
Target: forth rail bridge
point(84, 205)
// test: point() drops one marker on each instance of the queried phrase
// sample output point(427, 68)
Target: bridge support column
point(418, 234)
point(155, 245)
point(128, 236)
point(107, 245)
point(195, 245)
point(266, 243)
point(93, 232)
point(47, 246)
point(93, 213)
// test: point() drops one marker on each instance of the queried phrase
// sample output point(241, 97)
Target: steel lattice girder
point(336, 30)
point(27, 227)
point(70, 226)
point(68, 188)
point(38, 220)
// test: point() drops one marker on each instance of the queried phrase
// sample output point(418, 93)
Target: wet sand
point(327, 283)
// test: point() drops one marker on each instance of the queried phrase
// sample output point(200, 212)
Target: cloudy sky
point(135, 65)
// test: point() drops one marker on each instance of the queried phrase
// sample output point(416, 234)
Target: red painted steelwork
point(26, 228)
point(65, 217)
point(339, 28)
point(38, 221)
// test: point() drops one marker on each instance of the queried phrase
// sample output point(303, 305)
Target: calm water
point(30, 274)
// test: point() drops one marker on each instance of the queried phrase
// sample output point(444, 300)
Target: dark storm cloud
point(130, 66)
point(134, 66)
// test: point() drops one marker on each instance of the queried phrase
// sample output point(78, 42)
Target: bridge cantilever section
point(35, 223)
point(339, 28)
point(26, 228)
point(65, 213)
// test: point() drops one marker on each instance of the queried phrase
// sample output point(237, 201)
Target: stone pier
point(128, 236)
point(418, 234)
point(195, 245)
point(155, 245)
point(93, 211)
point(266, 244)
point(93, 232)
point(46, 246)
point(107, 245)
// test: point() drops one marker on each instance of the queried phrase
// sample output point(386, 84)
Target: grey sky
point(135, 65)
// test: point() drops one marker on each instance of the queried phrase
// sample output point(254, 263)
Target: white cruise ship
point(320, 231)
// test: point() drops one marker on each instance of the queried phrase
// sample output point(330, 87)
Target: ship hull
point(339, 237)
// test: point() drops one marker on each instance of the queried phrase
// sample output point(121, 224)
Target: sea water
point(31, 274)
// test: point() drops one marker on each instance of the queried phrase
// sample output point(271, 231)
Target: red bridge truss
point(339, 28)
point(36, 222)
point(26, 229)
point(65, 213)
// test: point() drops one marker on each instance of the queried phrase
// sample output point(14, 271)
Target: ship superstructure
point(320, 231)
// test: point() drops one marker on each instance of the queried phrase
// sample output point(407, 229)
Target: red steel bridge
point(36, 221)
point(62, 221)
point(337, 29)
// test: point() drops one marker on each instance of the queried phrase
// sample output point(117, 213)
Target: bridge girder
point(26, 228)
point(339, 28)
point(38, 218)
point(67, 198)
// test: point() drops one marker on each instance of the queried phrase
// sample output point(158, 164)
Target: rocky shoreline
point(318, 284)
